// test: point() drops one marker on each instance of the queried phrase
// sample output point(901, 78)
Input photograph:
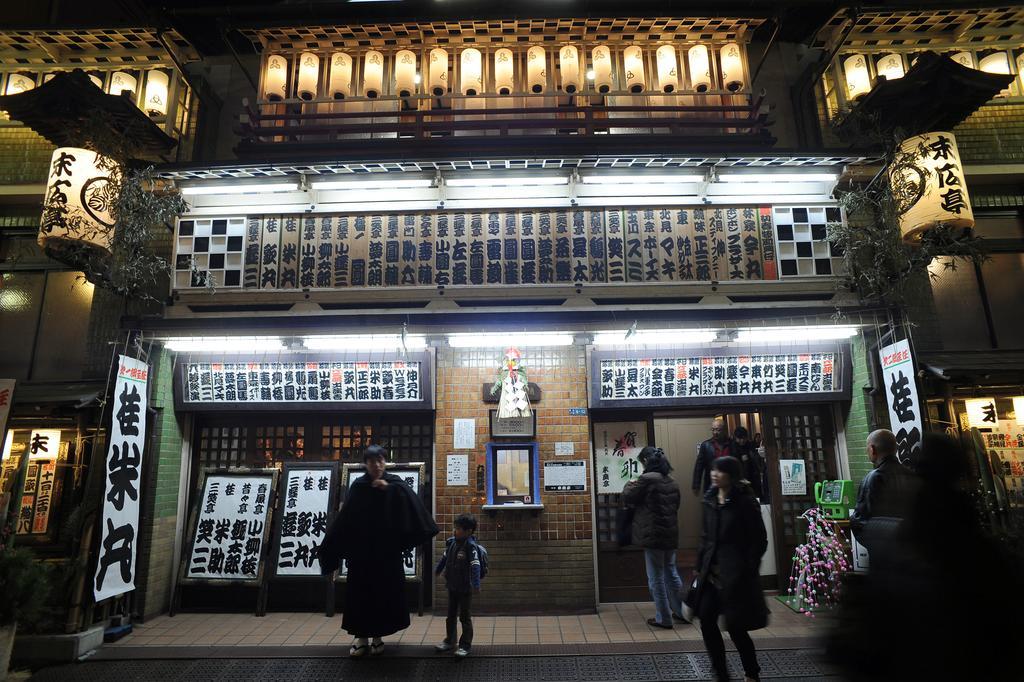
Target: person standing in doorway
point(655, 498)
point(733, 541)
point(381, 519)
point(719, 445)
point(750, 461)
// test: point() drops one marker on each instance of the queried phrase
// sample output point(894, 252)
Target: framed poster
point(308, 499)
point(230, 527)
point(413, 474)
point(794, 476)
point(616, 447)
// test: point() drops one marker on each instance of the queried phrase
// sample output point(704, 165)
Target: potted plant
point(24, 587)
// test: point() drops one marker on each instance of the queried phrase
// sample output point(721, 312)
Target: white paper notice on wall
point(794, 476)
point(465, 434)
point(458, 469)
point(568, 476)
point(565, 449)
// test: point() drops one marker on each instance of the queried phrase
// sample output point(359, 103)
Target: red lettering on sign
point(5, 397)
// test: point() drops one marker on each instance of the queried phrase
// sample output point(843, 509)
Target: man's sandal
point(358, 650)
point(377, 649)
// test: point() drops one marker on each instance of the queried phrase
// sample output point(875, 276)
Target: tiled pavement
point(613, 624)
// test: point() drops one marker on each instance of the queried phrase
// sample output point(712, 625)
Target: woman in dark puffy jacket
point(731, 547)
point(655, 499)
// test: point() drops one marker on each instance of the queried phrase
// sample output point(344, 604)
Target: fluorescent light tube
point(639, 178)
point(253, 188)
point(669, 200)
point(508, 202)
point(515, 181)
point(777, 177)
point(366, 184)
point(795, 334)
point(225, 344)
point(390, 342)
point(505, 339)
point(655, 337)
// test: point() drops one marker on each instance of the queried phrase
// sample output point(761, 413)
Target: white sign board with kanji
point(901, 397)
point(305, 515)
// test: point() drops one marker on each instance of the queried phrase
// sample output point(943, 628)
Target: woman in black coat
point(733, 542)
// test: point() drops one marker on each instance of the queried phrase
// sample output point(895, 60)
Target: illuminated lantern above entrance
point(503, 71)
point(858, 80)
point(17, 83)
point(121, 82)
point(890, 66)
point(373, 74)
point(569, 67)
point(309, 75)
point(438, 75)
point(405, 73)
point(964, 59)
point(537, 69)
point(79, 202)
point(156, 93)
point(275, 79)
point(633, 61)
point(928, 187)
point(668, 68)
point(700, 68)
point(601, 58)
point(732, 67)
point(471, 75)
point(341, 75)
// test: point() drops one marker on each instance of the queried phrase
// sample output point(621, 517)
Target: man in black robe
point(380, 520)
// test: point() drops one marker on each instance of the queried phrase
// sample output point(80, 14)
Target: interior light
point(504, 339)
point(241, 189)
point(515, 181)
point(676, 200)
point(639, 178)
point(388, 342)
point(777, 177)
point(655, 337)
point(225, 344)
point(371, 183)
point(795, 334)
point(591, 75)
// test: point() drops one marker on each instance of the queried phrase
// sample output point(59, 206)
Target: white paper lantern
point(17, 83)
point(156, 93)
point(601, 58)
point(121, 81)
point(309, 76)
point(963, 59)
point(79, 200)
point(633, 65)
point(405, 73)
point(732, 67)
point(858, 80)
point(341, 75)
point(438, 72)
point(981, 413)
point(47, 77)
point(928, 185)
point(471, 80)
point(373, 74)
point(997, 62)
point(275, 78)
point(570, 69)
point(504, 71)
point(668, 68)
point(537, 69)
point(96, 80)
point(890, 66)
point(700, 68)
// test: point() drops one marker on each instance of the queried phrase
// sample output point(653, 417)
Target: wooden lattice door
point(805, 433)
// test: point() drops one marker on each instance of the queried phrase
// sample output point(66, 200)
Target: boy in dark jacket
point(460, 565)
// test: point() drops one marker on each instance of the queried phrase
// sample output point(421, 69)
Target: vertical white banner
point(901, 397)
point(115, 569)
point(6, 396)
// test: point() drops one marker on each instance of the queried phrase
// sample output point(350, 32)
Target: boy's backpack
point(481, 552)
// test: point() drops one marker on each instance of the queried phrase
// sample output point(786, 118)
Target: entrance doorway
point(680, 437)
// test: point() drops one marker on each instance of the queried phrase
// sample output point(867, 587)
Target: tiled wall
point(24, 156)
point(540, 563)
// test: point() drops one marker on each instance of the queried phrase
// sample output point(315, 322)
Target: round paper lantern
point(121, 82)
point(858, 80)
point(309, 76)
point(471, 75)
point(438, 72)
point(405, 73)
point(373, 74)
point(275, 77)
point(18, 83)
point(668, 68)
point(963, 59)
point(700, 68)
point(536, 69)
point(504, 75)
point(569, 68)
point(156, 93)
point(79, 201)
point(633, 65)
point(340, 84)
point(601, 58)
point(732, 67)
point(890, 66)
point(928, 186)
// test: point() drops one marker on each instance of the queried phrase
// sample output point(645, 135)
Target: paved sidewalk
point(613, 624)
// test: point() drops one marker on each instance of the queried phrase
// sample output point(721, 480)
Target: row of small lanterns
point(891, 66)
point(341, 74)
point(155, 97)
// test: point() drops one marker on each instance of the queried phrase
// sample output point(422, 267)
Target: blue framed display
point(508, 486)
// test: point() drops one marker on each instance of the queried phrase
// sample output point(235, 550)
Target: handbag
point(624, 526)
point(690, 598)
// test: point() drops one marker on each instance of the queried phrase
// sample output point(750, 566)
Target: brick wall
point(858, 418)
point(24, 156)
point(160, 499)
point(540, 563)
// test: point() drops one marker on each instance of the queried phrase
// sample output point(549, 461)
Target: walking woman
point(733, 542)
point(655, 499)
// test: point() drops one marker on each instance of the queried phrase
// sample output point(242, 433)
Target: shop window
point(802, 236)
point(276, 443)
point(513, 474)
point(47, 450)
point(345, 442)
point(222, 446)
